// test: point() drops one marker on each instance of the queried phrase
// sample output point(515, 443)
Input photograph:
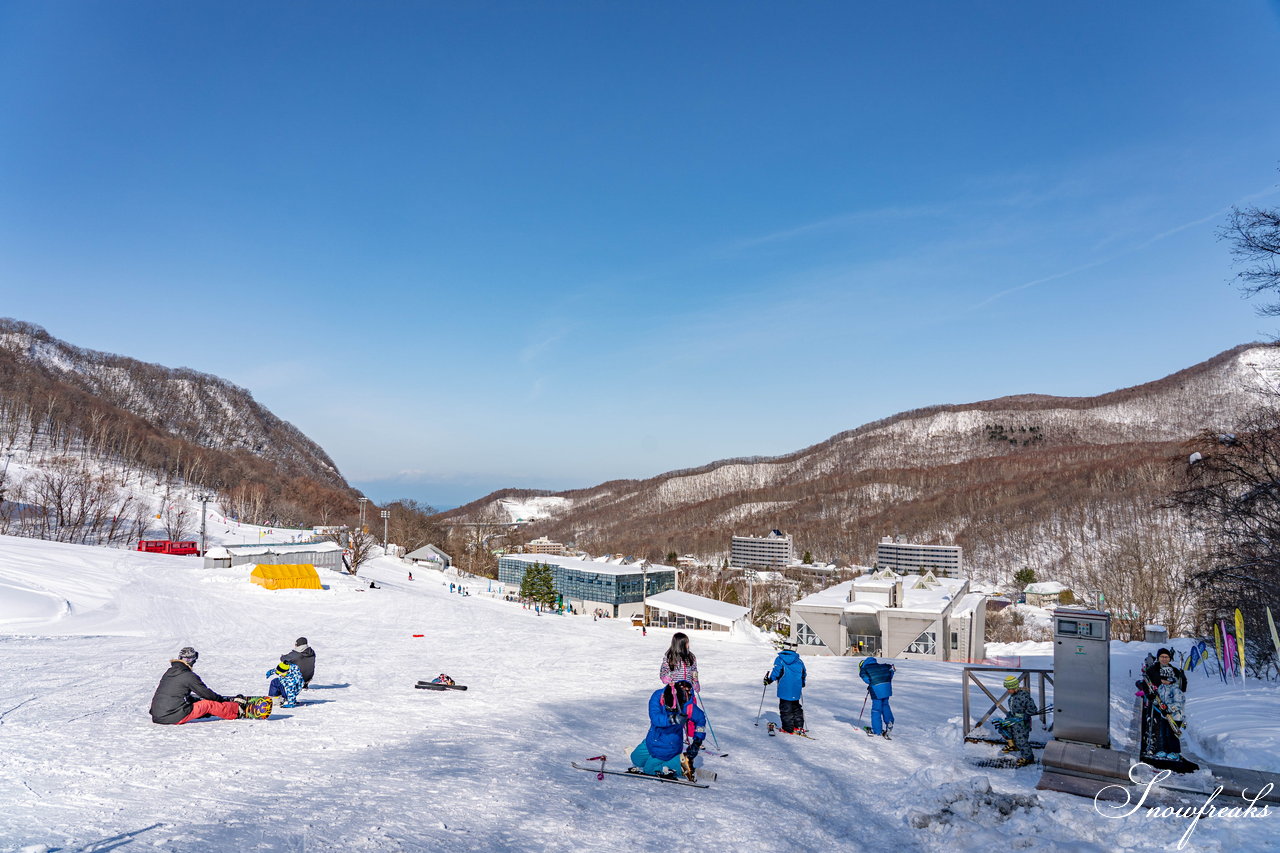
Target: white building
point(761, 552)
point(902, 556)
point(917, 617)
point(689, 612)
point(430, 556)
point(543, 545)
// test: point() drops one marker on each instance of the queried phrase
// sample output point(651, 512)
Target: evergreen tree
point(672, 556)
point(1023, 577)
point(538, 584)
point(807, 559)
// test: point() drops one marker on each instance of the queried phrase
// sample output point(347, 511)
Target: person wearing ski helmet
point(790, 673)
point(879, 680)
point(1017, 726)
point(673, 715)
point(181, 696)
point(305, 657)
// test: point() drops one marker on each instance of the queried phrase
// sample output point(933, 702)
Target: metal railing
point(1032, 680)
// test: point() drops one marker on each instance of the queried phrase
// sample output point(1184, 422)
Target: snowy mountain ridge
point(938, 474)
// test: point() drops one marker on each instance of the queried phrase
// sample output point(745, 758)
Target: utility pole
point(204, 509)
point(644, 591)
point(386, 514)
point(363, 501)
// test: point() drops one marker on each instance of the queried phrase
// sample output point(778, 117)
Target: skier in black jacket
point(172, 703)
point(305, 657)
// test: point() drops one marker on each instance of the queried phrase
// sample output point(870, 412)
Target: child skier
point(173, 702)
point(305, 657)
point(286, 681)
point(879, 679)
point(788, 670)
point(673, 713)
point(1017, 726)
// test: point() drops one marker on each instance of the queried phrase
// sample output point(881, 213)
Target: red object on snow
point(164, 546)
point(419, 635)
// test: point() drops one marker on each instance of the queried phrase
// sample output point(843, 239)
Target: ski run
point(370, 763)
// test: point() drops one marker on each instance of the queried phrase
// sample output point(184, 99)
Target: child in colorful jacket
point(788, 670)
point(286, 681)
point(879, 679)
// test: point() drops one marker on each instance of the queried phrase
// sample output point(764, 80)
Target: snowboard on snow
point(701, 774)
point(1006, 763)
point(256, 708)
point(435, 685)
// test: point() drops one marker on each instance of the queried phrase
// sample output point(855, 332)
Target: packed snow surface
point(371, 764)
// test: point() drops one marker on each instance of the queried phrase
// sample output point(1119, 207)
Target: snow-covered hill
point(1016, 480)
point(375, 765)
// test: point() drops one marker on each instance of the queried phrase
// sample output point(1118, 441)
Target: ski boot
point(1023, 762)
point(667, 773)
point(773, 729)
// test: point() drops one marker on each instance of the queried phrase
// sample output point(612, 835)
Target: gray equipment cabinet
point(1082, 676)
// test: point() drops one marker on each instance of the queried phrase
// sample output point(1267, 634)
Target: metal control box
point(1082, 676)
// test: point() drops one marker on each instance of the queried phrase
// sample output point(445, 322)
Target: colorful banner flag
point(1240, 638)
point(1217, 645)
point(1275, 638)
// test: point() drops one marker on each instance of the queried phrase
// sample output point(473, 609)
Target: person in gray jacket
point(305, 657)
point(173, 704)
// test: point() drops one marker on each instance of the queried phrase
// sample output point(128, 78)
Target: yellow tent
point(301, 576)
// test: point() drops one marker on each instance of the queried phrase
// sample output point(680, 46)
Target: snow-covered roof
point(282, 548)
point(1046, 588)
point(969, 604)
point(426, 552)
point(589, 566)
point(833, 596)
point(710, 609)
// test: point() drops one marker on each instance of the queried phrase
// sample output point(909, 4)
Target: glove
point(767, 681)
point(694, 747)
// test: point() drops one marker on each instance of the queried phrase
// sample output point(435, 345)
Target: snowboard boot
point(240, 700)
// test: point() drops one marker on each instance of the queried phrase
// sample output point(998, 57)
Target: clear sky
point(467, 245)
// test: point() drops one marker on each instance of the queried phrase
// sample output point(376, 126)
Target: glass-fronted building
point(586, 585)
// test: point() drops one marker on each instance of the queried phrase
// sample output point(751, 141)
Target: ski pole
point(601, 759)
point(763, 690)
point(864, 705)
point(711, 731)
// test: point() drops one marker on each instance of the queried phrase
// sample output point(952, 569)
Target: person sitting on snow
point(286, 681)
point(173, 703)
point(305, 657)
point(673, 713)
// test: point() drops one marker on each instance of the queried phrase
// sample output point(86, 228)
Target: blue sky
point(466, 245)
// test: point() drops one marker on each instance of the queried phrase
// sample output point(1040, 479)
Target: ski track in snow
point(375, 765)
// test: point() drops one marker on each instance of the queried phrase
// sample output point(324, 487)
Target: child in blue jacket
point(879, 679)
point(673, 714)
point(788, 670)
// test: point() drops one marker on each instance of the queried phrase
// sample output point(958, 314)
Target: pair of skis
point(601, 773)
point(435, 685)
point(773, 731)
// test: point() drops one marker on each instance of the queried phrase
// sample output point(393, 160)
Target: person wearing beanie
point(286, 681)
point(305, 658)
point(1017, 726)
point(175, 701)
point(879, 680)
point(790, 673)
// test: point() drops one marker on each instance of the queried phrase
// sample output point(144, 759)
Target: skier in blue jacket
point(879, 679)
point(788, 670)
point(673, 714)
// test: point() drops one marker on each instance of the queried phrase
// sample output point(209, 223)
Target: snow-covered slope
point(374, 765)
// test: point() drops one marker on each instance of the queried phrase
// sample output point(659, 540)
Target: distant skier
point(1017, 726)
point(305, 658)
point(410, 575)
point(173, 702)
point(673, 714)
point(286, 682)
point(789, 671)
point(679, 664)
point(879, 679)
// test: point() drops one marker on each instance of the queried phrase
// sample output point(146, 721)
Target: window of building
point(864, 644)
point(955, 640)
point(925, 644)
point(806, 637)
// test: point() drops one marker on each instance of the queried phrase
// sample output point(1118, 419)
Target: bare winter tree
point(1232, 493)
point(1255, 235)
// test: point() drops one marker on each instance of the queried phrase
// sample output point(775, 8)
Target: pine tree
point(538, 584)
point(807, 559)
